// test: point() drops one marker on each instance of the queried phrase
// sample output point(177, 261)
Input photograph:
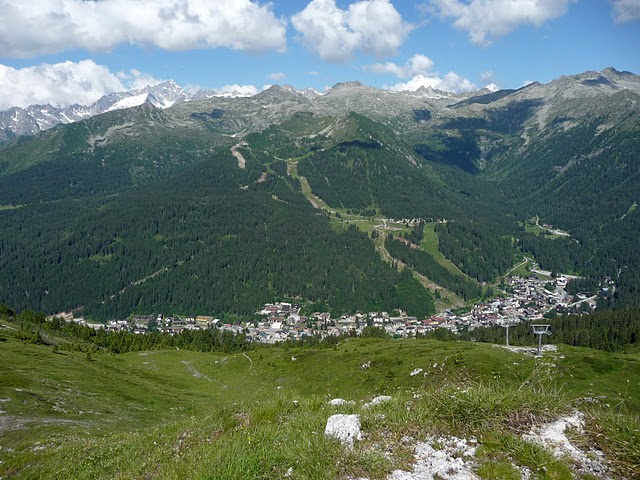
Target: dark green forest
point(143, 209)
point(428, 266)
point(197, 243)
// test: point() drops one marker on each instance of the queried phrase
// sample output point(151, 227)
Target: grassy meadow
point(262, 413)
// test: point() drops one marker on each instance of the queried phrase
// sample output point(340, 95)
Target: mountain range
point(18, 121)
point(157, 199)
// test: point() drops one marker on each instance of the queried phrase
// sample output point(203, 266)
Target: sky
point(74, 51)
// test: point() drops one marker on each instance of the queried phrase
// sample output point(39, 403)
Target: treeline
point(478, 251)
point(428, 266)
point(608, 330)
point(34, 328)
point(60, 165)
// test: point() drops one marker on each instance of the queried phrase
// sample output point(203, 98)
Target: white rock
point(345, 428)
point(377, 401)
point(340, 401)
point(415, 372)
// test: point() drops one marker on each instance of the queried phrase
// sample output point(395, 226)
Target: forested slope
point(142, 209)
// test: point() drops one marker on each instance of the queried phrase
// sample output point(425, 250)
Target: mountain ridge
point(17, 121)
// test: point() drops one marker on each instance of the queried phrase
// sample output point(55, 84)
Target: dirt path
point(242, 163)
point(526, 260)
point(10, 422)
point(138, 282)
point(250, 361)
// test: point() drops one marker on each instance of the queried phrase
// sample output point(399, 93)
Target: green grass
point(181, 414)
point(501, 450)
point(522, 269)
point(430, 245)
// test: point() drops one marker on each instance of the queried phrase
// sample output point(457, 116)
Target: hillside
point(218, 205)
point(261, 413)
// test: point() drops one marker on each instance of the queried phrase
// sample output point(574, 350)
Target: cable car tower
point(506, 324)
point(540, 330)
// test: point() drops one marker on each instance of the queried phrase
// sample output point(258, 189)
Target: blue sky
point(65, 51)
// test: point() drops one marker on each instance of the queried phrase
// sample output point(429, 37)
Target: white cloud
point(137, 80)
point(277, 76)
point(64, 83)
point(487, 76)
point(488, 20)
point(373, 26)
point(451, 82)
point(416, 65)
point(49, 26)
point(488, 81)
point(626, 10)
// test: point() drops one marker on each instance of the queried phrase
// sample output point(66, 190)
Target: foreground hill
point(262, 413)
point(217, 205)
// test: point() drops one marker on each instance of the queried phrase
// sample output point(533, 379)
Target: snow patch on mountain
point(128, 102)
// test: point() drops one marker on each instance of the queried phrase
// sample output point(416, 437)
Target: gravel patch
point(553, 437)
point(442, 458)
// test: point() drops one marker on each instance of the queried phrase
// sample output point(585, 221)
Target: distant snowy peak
point(36, 118)
point(163, 95)
point(431, 93)
point(167, 94)
point(128, 102)
point(17, 121)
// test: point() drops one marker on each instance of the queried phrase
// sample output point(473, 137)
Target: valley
point(473, 169)
point(234, 271)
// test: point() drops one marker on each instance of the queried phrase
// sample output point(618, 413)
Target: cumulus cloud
point(373, 26)
point(43, 27)
point(64, 83)
point(451, 82)
point(277, 76)
point(137, 80)
point(488, 20)
point(626, 10)
point(416, 65)
point(488, 81)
